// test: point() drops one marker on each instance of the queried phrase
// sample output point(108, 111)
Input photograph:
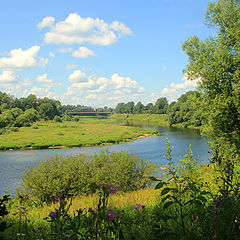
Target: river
point(153, 148)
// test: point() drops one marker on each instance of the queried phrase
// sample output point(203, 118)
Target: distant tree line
point(160, 107)
point(187, 110)
point(19, 112)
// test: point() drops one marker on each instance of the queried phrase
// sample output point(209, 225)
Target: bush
point(34, 126)
point(57, 119)
point(66, 118)
point(63, 177)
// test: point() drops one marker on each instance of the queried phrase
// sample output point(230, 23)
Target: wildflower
point(101, 185)
point(52, 215)
point(90, 210)
point(111, 189)
point(63, 202)
point(143, 207)
point(122, 212)
point(143, 234)
point(137, 206)
point(111, 215)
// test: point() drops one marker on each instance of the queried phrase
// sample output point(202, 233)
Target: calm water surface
point(153, 148)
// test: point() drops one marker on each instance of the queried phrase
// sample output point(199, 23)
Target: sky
point(98, 53)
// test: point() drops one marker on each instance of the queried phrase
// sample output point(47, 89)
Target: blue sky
point(98, 53)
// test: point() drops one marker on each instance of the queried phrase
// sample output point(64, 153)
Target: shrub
point(66, 118)
point(57, 119)
point(80, 174)
point(34, 126)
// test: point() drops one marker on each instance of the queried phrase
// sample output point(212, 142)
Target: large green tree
point(216, 63)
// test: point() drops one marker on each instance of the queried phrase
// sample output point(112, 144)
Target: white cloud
point(76, 29)
point(43, 61)
point(46, 22)
point(42, 92)
point(91, 96)
point(97, 91)
point(77, 76)
point(51, 54)
point(176, 89)
point(164, 68)
point(65, 50)
point(43, 78)
point(7, 77)
point(20, 59)
point(83, 52)
point(71, 66)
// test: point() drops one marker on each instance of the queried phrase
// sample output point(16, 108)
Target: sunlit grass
point(86, 132)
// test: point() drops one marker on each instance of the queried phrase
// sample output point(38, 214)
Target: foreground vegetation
point(86, 132)
point(186, 203)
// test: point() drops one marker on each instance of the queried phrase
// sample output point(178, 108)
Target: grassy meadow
point(148, 119)
point(86, 132)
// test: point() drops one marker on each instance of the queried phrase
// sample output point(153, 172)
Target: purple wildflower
point(63, 202)
point(111, 215)
point(137, 206)
point(52, 215)
point(111, 189)
point(101, 185)
point(90, 210)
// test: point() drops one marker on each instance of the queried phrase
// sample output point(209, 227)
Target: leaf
point(160, 185)
point(165, 198)
point(154, 179)
point(168, 204)
point(203, 199)
point(165, 191)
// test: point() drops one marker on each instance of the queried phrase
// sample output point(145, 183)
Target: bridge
point(78, 113)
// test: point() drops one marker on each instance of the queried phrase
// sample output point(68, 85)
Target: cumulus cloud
point(176, 89)
point(43, 78)
point(65, 50)
point(20, 59)
point(76, 29)
point(83, 52)
point(7, 77)
point(71, 66)
point(46, 22)
point(77, 76)
point(98, 90)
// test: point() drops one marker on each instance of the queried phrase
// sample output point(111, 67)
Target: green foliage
point(57, 119)
point(66, 118)
point(216, 63)
point(187, 110)
point(160, 107)
point(3, 213)
point(75, 175)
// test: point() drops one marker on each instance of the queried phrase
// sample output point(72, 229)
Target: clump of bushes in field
point(70, 176)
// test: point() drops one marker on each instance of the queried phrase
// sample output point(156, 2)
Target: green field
point(86, 132)
point(148, 119)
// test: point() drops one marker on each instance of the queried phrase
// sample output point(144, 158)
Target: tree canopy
point(215, 62)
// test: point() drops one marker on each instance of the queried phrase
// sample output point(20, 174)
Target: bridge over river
point(79, 113)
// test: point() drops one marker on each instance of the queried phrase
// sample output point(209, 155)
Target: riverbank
point(148, 119)
point(89, 132)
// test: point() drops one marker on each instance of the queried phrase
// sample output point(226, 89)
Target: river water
point(153, 148)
